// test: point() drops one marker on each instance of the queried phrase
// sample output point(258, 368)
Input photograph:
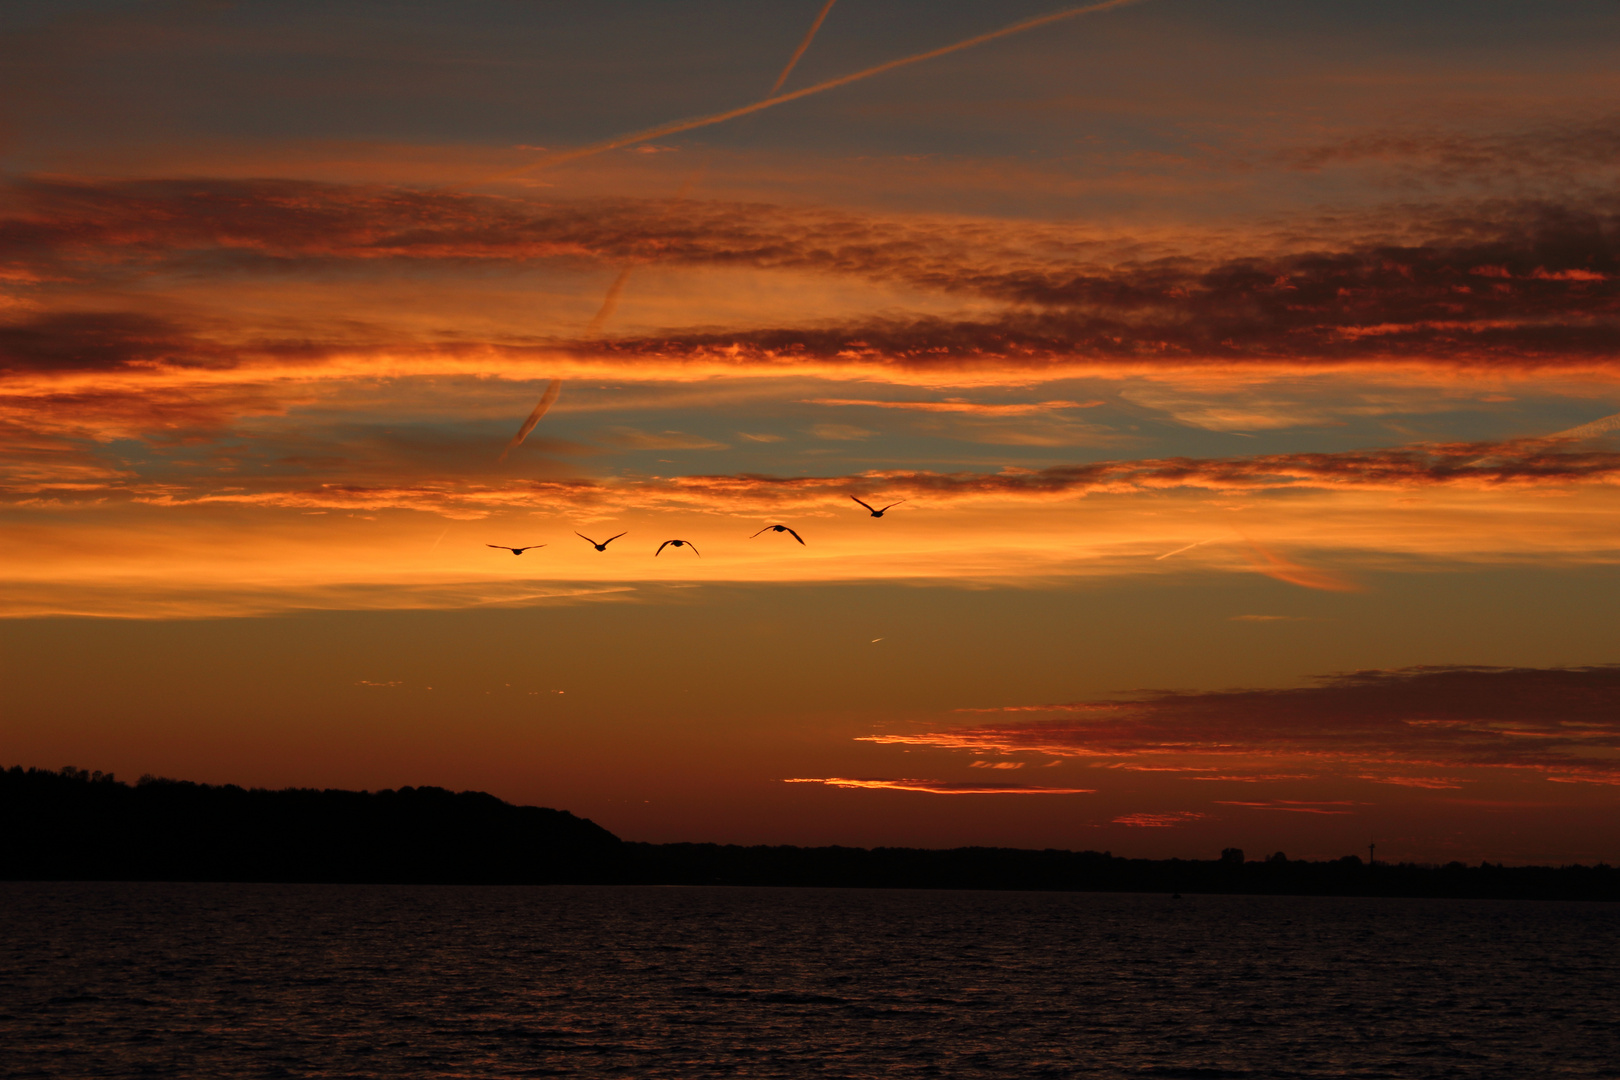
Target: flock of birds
point(603, 545)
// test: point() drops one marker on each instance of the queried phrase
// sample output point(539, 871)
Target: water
point(361, 981)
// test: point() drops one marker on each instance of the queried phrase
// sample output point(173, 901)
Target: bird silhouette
point(780, 528)
point(513, 550)
point(677, 543)
point(599, 547)
point(878, 513)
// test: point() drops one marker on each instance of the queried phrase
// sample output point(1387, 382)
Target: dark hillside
point(76, 825)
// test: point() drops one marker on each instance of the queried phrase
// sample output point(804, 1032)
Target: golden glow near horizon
point(1195, 353)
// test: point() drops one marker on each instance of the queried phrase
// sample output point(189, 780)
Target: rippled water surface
point(287, 980)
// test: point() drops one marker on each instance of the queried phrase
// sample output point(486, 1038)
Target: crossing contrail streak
point(1179, 550)
point(610, 302)
point(1592, 430)
point(793, 60)
point(1602, 426)
point(553, 388)
point(675, 127)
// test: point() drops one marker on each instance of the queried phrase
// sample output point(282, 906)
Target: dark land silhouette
point(70, 824)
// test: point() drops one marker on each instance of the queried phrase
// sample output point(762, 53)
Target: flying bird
point(513, 550)
point(875, 513)
point(599, 547)
point(780, 528)
point(677, 543)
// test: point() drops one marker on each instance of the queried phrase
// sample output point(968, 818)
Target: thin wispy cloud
point(961, 406)
point(632, 439)
point(1523, 464)
point(1159, 821)
point(940, 787)
point(1556, 723)
point(1428, 783)
point(1291, 806)
point(1274, 565)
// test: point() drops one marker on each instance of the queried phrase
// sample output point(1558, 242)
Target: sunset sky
point(1244, 371)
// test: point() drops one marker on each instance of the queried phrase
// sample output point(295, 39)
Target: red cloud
point(940, 787)
point(103, 341)
point(1158, 821)
point(1432, 783)
point(1292, 806)
point(1069, 300)
point(1561, 722)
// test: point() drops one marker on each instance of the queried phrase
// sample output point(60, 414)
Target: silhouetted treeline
point(74, 825)
point(1100, 871)
point(77, 825)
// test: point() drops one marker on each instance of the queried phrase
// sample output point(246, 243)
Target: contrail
point(1601, 426)
point(675, 127)
point(610, 302)
point(803, 45)
point(1179, 550)
point(546, 401)
point(1587, 431)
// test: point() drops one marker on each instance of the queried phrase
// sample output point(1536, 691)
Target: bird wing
point(503, 547)
point(766, 529)
point(661, 548)
point(610, 539)
point(892, 505)
point(585, 538)
point(865, 504)
point(796, 536)
point(695, 551)
point(531, 547)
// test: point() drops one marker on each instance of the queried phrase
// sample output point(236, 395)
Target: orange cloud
point(957, 405)
point(1251, 778)
point(1276, 566)
point(1563, 723)
point(940, 787)
point(1158, 821)
point(1054, 301)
